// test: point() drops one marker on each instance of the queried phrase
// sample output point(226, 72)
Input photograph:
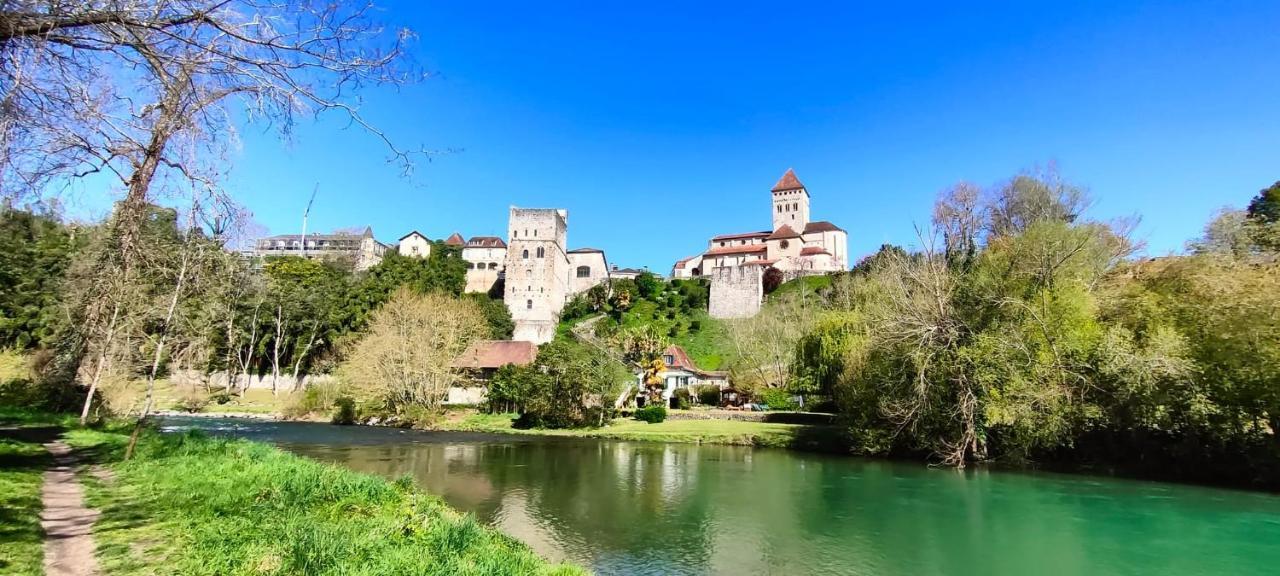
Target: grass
point(22, 463)
point(732, 432)
point(190, 504)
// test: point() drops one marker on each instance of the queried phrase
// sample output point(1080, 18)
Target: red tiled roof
point(742, 235)
point(681, 262)
point(497, 353)
point(681, 360)
point(788, 181)
point(485, 242)
point(783, 232)
point(748, 249)
point(813, 250)
point(821, 226)
point(454, 239)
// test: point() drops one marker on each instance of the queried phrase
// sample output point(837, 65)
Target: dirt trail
point(67, 523)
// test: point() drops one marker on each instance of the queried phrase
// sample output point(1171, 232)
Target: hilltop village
point(538, 273)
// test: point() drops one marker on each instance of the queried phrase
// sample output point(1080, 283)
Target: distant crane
point(306, 213)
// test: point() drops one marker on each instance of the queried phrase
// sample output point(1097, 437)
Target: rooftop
point(497, 353)
point(788, 181)
point(485, 242)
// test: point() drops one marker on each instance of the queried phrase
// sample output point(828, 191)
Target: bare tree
point(960, 216)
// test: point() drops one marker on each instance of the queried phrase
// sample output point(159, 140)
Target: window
point(525, 254)
point(584, 271)
point(722, 244)
point(535, 233)
point(784, 244)
point(779, 208)
point(542, 252)
point(470, 266)
point(493, 265)
point(669, 359)
point(515, 233)
point(528, 304)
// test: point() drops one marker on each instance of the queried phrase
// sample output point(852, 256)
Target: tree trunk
point(275, 353)
point(297, 366)
point(155, 360)
point(247, 362)
point(102, 360)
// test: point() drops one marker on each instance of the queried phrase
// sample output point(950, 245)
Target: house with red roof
point(678, 372)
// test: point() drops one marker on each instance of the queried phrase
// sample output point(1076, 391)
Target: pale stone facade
point(363, 250)
point(537, 271)
point(795, 245)
point(486, 258)
point(414, 244)
point(587, 267)
point(736, 292)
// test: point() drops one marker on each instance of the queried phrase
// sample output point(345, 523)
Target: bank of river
point(653, 508)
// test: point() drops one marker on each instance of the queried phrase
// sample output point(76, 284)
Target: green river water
point(649, 508)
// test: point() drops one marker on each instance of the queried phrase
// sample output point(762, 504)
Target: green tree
point(1265, 207)
point(35, 253)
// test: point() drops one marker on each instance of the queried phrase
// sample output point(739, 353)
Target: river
point(633, 508)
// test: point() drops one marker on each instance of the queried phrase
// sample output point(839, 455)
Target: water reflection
point(644, 508)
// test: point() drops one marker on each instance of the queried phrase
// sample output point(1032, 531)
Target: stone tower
point(790, 202)
point(537, 271)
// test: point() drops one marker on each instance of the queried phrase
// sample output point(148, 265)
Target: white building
point(795, 245)
point(362, 249)
point(486, 258)
point(414, 244)
point(679, 371)
point(587, 267)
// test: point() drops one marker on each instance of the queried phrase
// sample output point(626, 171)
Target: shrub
point(708, 394)
point(683, 398)
point(674, 331)
point(191, 399)
point(778, 399)
point(344, 411)
point(695, 325)
point(653, 413)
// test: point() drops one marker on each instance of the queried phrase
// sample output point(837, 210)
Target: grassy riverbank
point(189, 504)
point(732, 432)
point(22, 464)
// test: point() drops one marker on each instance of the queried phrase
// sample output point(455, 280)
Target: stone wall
point(487, 264)
point(736, 292)
point(598, 271)
point(283, 382)
point(537, 271)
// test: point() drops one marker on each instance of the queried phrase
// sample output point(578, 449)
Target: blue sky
point(659, 125)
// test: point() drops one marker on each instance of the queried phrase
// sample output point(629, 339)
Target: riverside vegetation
point(1019, 331)
point(190, 504)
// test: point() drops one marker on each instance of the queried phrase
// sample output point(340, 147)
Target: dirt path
point(67, 523)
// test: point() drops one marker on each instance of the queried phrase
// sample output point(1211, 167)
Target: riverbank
point(682, 430)
point(190, 504)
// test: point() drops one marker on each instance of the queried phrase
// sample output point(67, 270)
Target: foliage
point(35, 252)
point(707, 394)
point(648, 285)
point(653, 413)
point(683, 398)
point(344, 411)
point(777, 399)
point(771, 279)
point(1265, 207)
point(496, 315)
point(405, 360)
point(570, 385)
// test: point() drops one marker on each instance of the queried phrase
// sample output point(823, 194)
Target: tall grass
point(189, 504)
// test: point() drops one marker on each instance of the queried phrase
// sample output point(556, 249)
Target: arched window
point(470, 266)
point(584, 271)
point(515, 233)
point(779, 208)
point(528, 304)
point(542, 252)
point(493, 265)
point(525, 254)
